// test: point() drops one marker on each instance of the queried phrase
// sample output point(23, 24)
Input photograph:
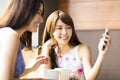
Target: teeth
point(64, 37)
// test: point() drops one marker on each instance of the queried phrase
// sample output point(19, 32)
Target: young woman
point(66, 51)
point(19, 20)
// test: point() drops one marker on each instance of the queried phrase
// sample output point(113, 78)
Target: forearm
point(44, 66)
point(96, 68)
point(45, 52)
point(26, 71)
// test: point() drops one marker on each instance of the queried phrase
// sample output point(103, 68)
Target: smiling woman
point(34, 36)
point(64, 49)
point(18, 21)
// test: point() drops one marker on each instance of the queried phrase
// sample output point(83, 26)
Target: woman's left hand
point(104, 43)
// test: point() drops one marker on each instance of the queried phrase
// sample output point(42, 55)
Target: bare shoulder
point(8, 36)
point(9, 41)
point(8, 33)
point(84, 50)
point(83, 47)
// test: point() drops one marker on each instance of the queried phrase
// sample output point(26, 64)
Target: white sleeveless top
point(72, 61)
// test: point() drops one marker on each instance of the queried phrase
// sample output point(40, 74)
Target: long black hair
point(18, 14)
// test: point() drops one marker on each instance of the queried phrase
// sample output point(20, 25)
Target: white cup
point(51, 74)
point(65, 73)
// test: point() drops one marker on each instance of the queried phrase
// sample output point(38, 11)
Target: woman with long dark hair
point(19, 20)
point(66, 51)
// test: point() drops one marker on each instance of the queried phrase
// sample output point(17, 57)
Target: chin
point(35, 31)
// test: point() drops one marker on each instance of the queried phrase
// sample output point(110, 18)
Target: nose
point(41, 19)
point(64, 31)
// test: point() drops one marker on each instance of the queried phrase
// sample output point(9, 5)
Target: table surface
point(36, 79)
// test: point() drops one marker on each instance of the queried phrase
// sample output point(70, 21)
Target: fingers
point(51, 43)
point(106, 31)
point(42, 59)
point(103, 44)
point(35, 63)
point(106, 36)
point(105, 41)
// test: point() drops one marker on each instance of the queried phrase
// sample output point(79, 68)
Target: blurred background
point(90, 18)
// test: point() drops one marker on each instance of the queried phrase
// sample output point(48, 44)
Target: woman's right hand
point(51, 43)
point(37, 61)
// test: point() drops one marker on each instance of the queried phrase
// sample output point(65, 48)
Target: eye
point(59, 28)
point(69, 27)
point(39, 13)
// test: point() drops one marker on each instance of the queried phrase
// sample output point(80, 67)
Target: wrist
point(101, 55)
point(45, 50)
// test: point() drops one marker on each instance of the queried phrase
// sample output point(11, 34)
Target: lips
point(65, 38)
point(36, 26)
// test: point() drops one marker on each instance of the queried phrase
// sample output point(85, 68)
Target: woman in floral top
point(65, 50)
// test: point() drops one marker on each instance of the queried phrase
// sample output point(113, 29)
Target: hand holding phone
point(104, 41)
point(105, 37)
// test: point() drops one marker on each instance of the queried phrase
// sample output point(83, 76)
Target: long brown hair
point(50, 27)
point(18, 14)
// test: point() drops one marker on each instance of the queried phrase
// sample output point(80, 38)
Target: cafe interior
point(90, 17)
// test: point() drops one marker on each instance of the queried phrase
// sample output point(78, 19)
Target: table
point(35, 79)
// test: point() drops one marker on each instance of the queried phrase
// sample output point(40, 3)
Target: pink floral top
point(72, 61)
